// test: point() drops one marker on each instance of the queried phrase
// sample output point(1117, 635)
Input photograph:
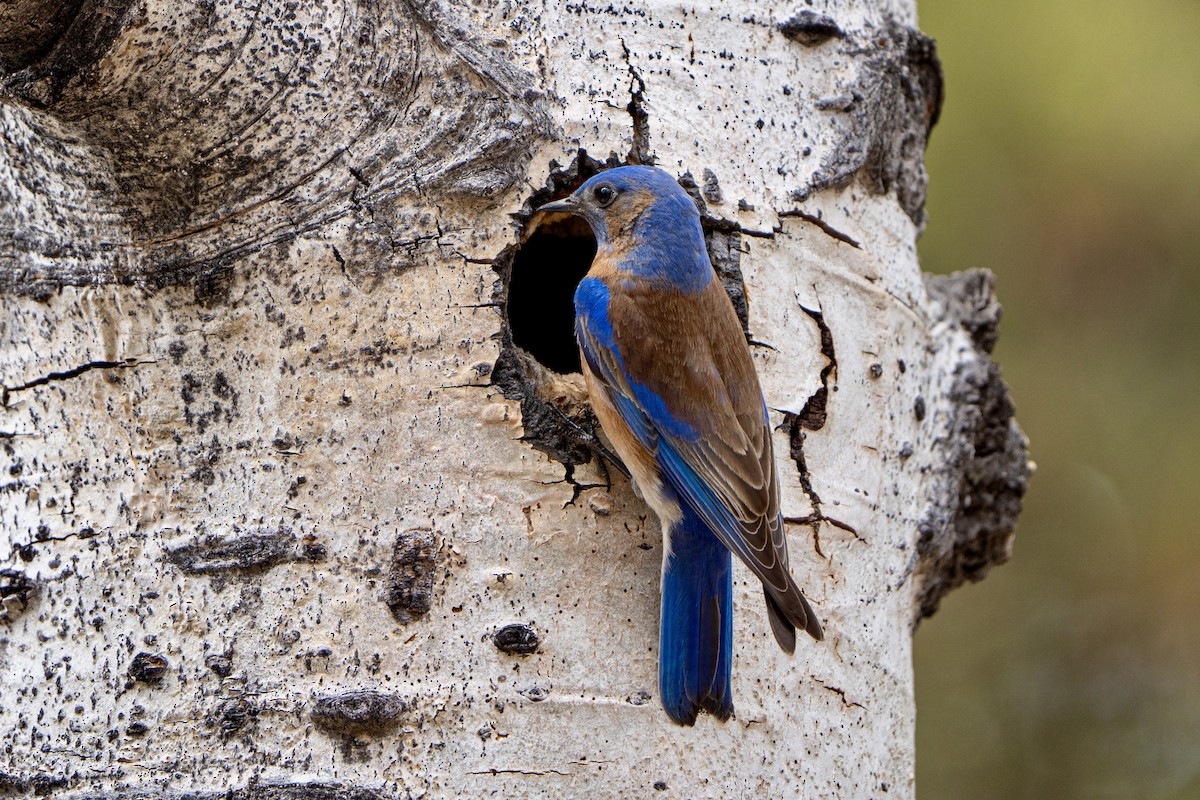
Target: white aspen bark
point(285, 512)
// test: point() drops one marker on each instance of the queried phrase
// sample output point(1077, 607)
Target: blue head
point(645, 223)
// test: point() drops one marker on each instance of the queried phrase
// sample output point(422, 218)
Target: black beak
point(568, 205)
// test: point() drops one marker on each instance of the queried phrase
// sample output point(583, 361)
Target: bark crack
point(498, 771)
point(83, 535)
point(813, 219)
point(824, 226)
point(812, 418)
point(639, 152)
point(74, 372)
point(841, 693)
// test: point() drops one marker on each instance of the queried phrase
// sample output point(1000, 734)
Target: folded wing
point(680, 375)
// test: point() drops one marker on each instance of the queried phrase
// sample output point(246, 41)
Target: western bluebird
point(672, 382)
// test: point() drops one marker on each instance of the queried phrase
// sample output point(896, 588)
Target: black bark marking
point(984, 467)
point(40, 784)
point(149, 668)
point(233, 715)
point(253, 552)
point(411, 575)
point(517, 639)
point(810, 28)
point(360, 712)
point(529, 772)
point(42, 536)
point(221, 665)
point(841, 693)
point(17, 593)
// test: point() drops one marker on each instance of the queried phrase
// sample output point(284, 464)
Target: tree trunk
point(299, 497)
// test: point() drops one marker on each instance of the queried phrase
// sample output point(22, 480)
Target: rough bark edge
point(250, 552)
point(984, 467)
point(890, 110)
point(555, 416)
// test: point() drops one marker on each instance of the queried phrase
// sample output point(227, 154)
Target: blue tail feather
point(696, 633)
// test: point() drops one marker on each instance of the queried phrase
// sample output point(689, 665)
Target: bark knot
point(517, 639)
point(355, 713)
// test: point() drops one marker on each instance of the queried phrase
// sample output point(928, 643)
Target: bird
point(671, 380)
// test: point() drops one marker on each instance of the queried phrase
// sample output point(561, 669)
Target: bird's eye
point(604, 195)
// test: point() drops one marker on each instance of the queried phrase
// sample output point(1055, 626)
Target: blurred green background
point(1067, 160)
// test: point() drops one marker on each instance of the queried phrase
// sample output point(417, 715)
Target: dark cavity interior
point(541, 305)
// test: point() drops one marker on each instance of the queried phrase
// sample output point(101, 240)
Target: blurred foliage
point(1067, 160)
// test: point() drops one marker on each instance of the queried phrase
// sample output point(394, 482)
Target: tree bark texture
point(288, 511)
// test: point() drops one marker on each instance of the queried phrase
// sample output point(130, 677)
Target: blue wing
point(719, 462)
point(696, 632)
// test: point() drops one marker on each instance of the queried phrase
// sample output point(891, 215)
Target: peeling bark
point(300, 497)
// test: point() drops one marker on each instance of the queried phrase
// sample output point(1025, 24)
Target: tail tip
point(813, 627)
point(687, 712)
